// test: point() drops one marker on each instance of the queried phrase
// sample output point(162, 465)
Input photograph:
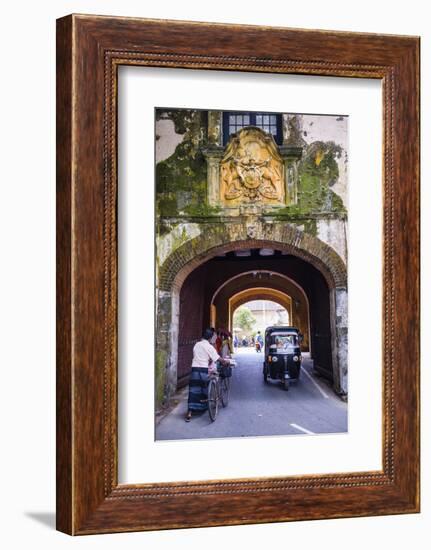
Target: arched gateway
point(261, 284)
point(311, 263)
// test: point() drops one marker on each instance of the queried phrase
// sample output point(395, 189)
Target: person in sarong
point(226, 347)
point(204, 360)
point(219, 341)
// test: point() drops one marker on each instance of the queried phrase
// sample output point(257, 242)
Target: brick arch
point(299, 316)
point(218, 240)
point(260, 293)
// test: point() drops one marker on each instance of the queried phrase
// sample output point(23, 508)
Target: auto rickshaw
point(282, 354)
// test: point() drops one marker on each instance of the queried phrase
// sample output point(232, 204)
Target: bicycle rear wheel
point(225, 389)
point(212, 400)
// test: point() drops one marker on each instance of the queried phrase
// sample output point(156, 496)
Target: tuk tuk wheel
point(265, 374)
point(286, 384)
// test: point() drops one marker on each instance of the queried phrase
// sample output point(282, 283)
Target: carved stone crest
point(251, 231)
point(252, 169)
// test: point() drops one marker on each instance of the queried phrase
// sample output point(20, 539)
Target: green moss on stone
point(183, 119)
point(167, 204)
point(201, 210)
point(163, 228)
point(318, 171)
point(161, 358)
point(181, 179)
point(179, 239)
point(310, 226)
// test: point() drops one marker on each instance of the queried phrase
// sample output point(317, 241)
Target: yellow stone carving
point(252, 169)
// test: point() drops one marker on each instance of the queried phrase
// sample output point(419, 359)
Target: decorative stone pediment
point(252, 170)
point(252, 173)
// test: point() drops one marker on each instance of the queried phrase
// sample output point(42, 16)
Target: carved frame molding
point(90, 50)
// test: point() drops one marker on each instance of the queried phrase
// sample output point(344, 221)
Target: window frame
point(278, 137)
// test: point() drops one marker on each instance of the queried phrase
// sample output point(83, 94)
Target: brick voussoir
point(214, 241)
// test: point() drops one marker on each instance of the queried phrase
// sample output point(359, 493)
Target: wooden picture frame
point(89, 51)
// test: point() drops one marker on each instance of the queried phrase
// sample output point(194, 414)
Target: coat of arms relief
point(252, 169)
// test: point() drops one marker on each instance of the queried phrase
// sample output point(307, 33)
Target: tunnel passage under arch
point(265, 285)
point(189, 277)
point(199, 287)
point(263, 311)
point(269, 296)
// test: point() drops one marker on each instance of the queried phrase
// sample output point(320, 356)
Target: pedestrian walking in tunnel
point(259, 341)
point(219, 341)
point(226, 345)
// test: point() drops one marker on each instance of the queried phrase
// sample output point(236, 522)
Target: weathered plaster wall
point(174, 236)
point(333, 233)
point(167, 139)
point(335, 129)
point(181, 178)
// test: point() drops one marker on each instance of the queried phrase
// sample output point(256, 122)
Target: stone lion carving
point(252, 168)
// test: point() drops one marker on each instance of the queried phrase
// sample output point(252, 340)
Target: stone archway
point(219, 239)
point(271, 281)
point(258, 293)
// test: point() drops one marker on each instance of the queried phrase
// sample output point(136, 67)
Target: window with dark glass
point(269, 122)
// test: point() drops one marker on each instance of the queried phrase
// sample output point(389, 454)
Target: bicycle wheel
point(212, 400)
point(224, 389)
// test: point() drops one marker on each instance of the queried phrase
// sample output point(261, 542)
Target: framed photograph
point(237, 274)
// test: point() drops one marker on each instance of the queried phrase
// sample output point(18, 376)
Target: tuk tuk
point(282, 354)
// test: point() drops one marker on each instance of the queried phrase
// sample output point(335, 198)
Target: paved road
point(256, 408)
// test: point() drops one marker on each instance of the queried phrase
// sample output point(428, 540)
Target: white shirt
point(203, 351)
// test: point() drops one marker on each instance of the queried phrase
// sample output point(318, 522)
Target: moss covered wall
point(181, 179)
point(318, 173)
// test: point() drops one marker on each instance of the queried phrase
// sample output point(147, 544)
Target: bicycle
point(218, 390)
